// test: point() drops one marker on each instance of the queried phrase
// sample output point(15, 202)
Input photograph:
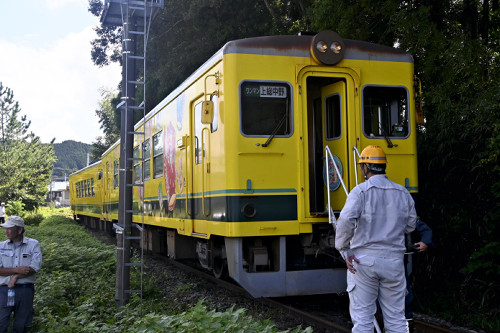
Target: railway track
point(320, 312)
point(322, 321)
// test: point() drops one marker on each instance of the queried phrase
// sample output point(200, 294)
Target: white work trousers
point(382, 278)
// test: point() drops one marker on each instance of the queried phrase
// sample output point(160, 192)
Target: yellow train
point(234, 165)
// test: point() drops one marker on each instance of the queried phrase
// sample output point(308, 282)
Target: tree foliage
point(25, 163)
point(109, 118)
point(71, 156)
point(455, 45)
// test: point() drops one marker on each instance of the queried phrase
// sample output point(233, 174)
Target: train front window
point(265, 109)
point(385, 112)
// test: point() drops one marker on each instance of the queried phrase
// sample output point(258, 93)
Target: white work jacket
point(375, 218)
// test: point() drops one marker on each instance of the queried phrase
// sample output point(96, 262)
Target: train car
point(85, 193)
point(234, 160)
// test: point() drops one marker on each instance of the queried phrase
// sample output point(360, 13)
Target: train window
point(92, 186)
point(333, 118)
point(146, 159)
point(157, 155)
point(385, 112)
point(77, 189)
point(85, 188)
point(116, 178)
point(215, 123)
point(265, 109)
point(137, 165)
point(89, 189)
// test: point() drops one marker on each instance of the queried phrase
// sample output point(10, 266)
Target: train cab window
point(265, 109)
point(385, 112)
point(116, 178)
point(146, 159)
point(333, 118)
point(137, 165)
point(157, 155)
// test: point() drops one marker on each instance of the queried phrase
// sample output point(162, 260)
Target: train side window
point(137, 165)
point(92, 186)
point(146, 158)
point(157, 155)
point(333, 120)
point(116, 178)
point(85, 187)
point(77, 189)
point(385, 112)
point(215, 123)
point(265, 109)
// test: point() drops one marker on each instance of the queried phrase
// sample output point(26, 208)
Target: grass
point(75, 291)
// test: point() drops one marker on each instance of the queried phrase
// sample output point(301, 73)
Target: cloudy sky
point(45, 60)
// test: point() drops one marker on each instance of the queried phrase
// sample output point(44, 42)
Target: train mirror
point(207, 112)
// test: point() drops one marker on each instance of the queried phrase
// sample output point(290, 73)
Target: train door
point(200, 136)
point(327, 127)
point(335, 118)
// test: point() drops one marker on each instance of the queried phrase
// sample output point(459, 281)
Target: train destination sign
point(266, 91)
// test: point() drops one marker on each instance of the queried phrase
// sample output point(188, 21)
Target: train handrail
point(328, 153)
point(354, 153)
point(187, 179)
point(204, 169)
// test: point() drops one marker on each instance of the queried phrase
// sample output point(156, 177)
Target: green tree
point(109, 118)
point(25, 163)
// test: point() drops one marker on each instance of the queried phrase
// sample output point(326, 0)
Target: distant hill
point(71, 156)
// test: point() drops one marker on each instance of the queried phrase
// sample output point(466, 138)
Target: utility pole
point(135, 17)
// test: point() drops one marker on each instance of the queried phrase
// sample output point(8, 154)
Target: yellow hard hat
point(373, 154)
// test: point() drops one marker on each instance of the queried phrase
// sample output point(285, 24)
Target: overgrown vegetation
point(75, 292)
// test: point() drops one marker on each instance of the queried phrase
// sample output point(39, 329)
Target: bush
point(33, 219)
point(15, 207)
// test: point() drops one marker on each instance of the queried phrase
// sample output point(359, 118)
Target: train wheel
point(220, 268)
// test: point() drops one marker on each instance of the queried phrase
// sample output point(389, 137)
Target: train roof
point(300, 46)
point(86, 168)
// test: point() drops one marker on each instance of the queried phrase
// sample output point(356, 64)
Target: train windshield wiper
point(275, 130)
point(389, 142)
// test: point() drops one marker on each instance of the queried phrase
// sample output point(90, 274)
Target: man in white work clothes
point(370, 236)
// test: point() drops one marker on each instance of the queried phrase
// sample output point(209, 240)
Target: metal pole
point(126, 153)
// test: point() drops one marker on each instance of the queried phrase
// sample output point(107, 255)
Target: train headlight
point(336, 47)
point(327, 47)
point(322, 46)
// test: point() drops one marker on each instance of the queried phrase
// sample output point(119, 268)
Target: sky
point(45, 60)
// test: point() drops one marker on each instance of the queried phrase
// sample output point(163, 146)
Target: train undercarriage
point(272, 266)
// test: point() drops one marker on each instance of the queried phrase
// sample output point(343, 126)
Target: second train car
point(233, 160)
